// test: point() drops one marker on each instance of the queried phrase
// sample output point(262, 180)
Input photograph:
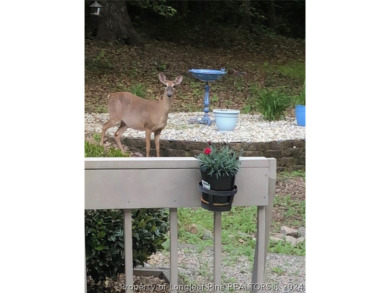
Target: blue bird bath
point(206, 75)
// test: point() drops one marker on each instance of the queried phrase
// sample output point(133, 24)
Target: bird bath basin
point(206, 75)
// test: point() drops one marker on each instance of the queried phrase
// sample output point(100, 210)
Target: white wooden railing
point(135, 183)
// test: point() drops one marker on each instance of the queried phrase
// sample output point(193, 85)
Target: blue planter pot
point(226, 119)
point(300, 114)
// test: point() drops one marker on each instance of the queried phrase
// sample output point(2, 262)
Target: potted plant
point(300, 107)
point(218, 167)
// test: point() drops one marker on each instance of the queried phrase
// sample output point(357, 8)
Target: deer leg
point(157, 141)
point(110, 123)
point(122, 128)
point(148, 133)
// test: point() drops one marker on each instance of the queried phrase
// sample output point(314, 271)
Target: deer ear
point(178, 80)
point(162, 78)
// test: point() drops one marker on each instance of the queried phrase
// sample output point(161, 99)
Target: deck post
point(128, 250)
point(173, 250)
point(260, 250)
point(217, 251)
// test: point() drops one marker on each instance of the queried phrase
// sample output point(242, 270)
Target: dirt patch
point(294, 186)
point(289, 203)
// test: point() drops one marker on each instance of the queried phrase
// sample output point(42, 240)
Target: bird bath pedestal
point(206, 75)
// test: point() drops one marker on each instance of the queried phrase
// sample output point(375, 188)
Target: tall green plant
point(271, 103)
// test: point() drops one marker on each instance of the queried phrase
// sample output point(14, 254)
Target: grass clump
point(137, 89)
point(272, 103)
point(293, 69)
point(284, 247)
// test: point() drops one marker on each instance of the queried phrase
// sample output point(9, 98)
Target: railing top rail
point(163, 163)
point(131, 183)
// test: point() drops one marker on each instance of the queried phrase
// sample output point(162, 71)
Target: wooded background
point(131, 21)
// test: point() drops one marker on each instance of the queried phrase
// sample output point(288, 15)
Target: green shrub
point(105, 240)
point(94, 150)
point(104, 243)
point(271, 103)
point(104, 231)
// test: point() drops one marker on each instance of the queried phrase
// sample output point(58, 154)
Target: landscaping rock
point(289, 231)
point(207, 234)
point(301, 232)
point(300, 239)
point(291, 240)
point(279, 236)
point(273, 238)
point(192, 229)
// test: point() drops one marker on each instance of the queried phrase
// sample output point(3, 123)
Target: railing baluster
point(260, 250)
point(217, 250)
point(128, 250)
point(173, 251)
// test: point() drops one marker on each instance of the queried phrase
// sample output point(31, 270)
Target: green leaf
point(99, 248)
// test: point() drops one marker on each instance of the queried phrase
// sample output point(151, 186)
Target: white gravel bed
point(249, 128)
point(284, 273)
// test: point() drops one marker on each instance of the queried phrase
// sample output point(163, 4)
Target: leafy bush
point(104, 231)
point(94, 150)
point(104, 243)
point(150, 227)
point(271, 103)
point(104, 239)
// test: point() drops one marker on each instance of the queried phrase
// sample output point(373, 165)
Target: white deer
point(140, 114)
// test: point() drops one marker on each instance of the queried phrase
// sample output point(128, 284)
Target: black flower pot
point(217, 193)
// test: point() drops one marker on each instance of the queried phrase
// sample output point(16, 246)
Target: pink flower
point(207, 151)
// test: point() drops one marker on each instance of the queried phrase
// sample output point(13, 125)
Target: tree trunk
point(115, 24)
